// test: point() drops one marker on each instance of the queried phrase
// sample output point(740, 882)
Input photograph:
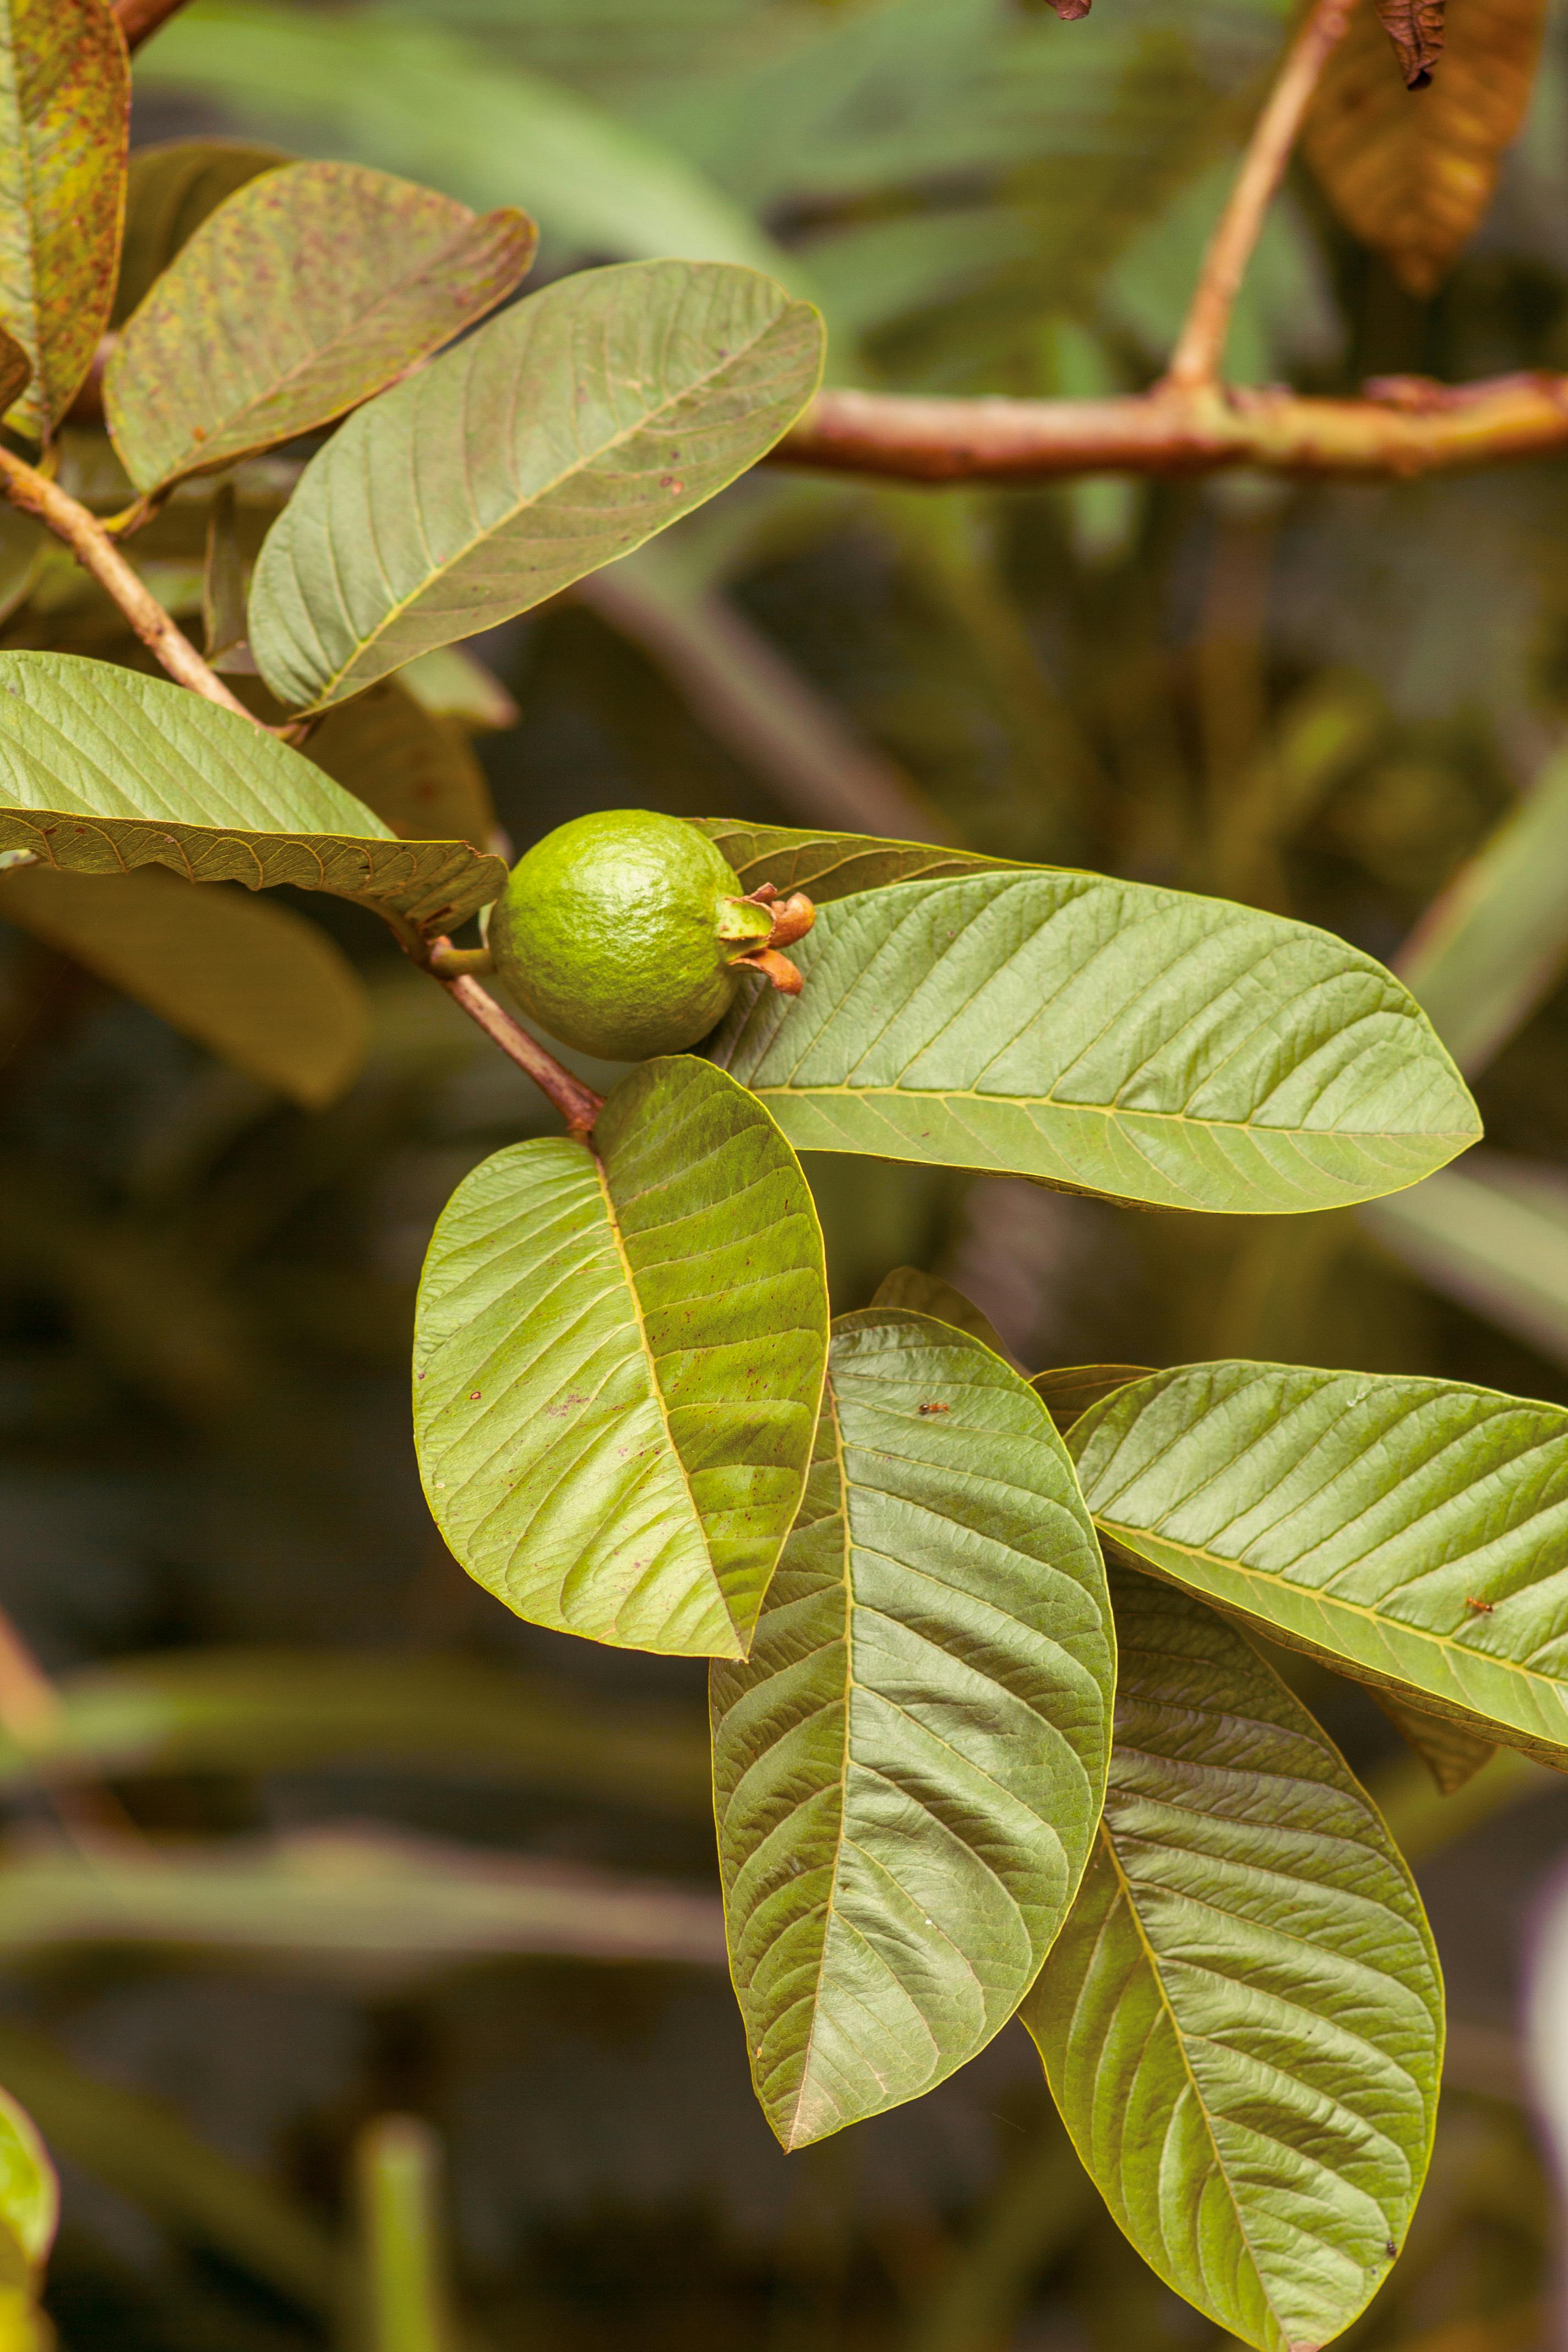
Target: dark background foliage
point(1318, 699)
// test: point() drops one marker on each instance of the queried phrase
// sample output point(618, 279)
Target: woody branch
point(1189, 423)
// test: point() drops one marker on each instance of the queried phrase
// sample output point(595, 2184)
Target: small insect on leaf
point(1479, 1608)
point(936, 1407)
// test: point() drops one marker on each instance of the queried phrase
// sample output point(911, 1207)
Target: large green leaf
point(618, 1360)
point(649, 387)
point(836, 864)
point(1242, 2020)
point(908, 1770)
point(1409, 1531)
point(305, 292)
point(260, 986)
point(169, 190)
point(102, 769)
point(65, 97)
point(1107, 1037)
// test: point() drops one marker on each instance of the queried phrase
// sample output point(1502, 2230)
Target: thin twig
point(579, 1106)
point(1200, 347)
point(139, 19)
point(32, 493)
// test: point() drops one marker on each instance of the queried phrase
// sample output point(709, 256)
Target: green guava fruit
point(617, 933)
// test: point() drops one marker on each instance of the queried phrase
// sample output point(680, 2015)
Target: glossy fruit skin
point(607, 934)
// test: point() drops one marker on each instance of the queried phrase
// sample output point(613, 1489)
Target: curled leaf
point(1416, 29)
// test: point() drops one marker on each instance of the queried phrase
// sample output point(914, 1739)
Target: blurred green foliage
point(1321, 699)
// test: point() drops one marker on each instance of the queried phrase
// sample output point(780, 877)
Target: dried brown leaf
point(1416, 28)
point(1412, 178)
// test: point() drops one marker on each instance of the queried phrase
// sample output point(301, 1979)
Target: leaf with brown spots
point(308, 290)
point(65, 97)
point(171, 190)
point(1413, 176)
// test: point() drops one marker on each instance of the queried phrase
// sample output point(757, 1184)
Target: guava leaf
point(103, 770)
point(308, 289)
point(255, 983)
point(919, 1292)
point(29, 2192)
point(170, 189)
point(65, 101)
point(1242, 2020)
point(649, 386)
point(1107, 1037)
point(838, 864)
point(1407, 1531)
point(908, 1770)
point(618, 1360)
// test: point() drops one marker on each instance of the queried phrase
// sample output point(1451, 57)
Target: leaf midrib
point(1168, 2011)
point(1114, 1110)
point(604, 448)
point(829, 1410)
point(619, 1240)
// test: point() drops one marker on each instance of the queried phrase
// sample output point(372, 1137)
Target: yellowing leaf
point(304, 293)
point(65, 96)
point(255, 983)
point(171, 189)
point(1412, 176)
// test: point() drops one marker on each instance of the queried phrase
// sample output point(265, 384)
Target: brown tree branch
point(139, 19)
point(32, 493)
point(579, 1106)
point(1201, 344)
point(1403, 425)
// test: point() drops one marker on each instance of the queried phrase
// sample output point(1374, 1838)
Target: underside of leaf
point(308, 289)
point(618, 1360)
point(1410, 1532)
point(1242, 2021)
point(1105, 1038)
point(649, 387)
point(909, 1768)
point(103, 770)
